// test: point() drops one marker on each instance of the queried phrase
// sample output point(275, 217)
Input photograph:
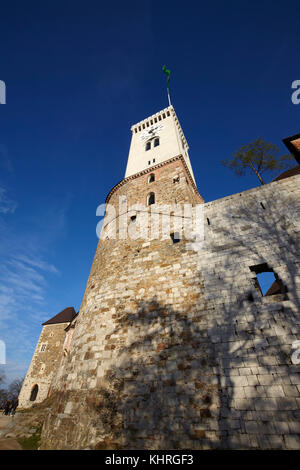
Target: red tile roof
point(274, 289)
point(286, 174)
point(64, 316)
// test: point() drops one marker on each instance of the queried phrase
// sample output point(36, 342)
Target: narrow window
point(168, 113)
point(143, 126)
point(156, 142)
point(150, 199)
point(43, 347)
point(151, 178)
point(208, 221)
point(153, 160)
point(175, 237)
point(159, 118)
point(149, 163)
point(34, 393)
point(164, 116)
point(148, 146)
point(133, 218)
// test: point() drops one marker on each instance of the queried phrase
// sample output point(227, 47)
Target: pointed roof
point(286, 174)
point(293, 145)
point(64, 316)
point(274, 289)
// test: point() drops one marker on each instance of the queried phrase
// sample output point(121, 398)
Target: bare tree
point(15, 387)
point(258, 157)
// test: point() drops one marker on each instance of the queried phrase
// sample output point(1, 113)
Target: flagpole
point(169, 96)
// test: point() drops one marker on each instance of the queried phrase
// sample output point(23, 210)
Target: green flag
point(168, 73)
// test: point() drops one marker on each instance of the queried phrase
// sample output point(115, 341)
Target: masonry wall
point(44, 364)
point(174, 346)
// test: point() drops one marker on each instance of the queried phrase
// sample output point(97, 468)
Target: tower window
point(151, 178)
point(159, 118)
point(153, 160)
point(149, 163)
point(148, 145)
point(34, 393)
point(175, 237)
point(156, 142)
point(150, 199)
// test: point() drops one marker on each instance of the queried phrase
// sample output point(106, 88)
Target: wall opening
point(151, 178)
point(175, 236)
point(34, 393)
point(150, 199)
point(267, 282)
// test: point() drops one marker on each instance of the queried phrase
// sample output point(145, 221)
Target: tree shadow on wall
point(163, 394)
point(219, 375)
point(253, 334)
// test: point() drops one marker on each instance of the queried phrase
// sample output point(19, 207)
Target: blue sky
point(78, 75)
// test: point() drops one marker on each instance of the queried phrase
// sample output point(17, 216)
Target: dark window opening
point(151, 199)
point(267, 282)
point(34, 393)
point(153, 160)
point(156, 142)
point(149, 163)
point(151, 178)
point(133, 218)
point(148, 145)
point(175, 237)
point(208, 221)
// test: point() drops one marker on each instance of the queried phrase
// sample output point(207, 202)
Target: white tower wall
point(172, 142)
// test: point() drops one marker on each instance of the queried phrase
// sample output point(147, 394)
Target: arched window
point(34, 393)
point(151, 178)
point(150, 199)
point(148, 145)
point(156, 142)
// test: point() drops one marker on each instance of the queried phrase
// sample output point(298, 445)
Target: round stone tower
point(132, 378)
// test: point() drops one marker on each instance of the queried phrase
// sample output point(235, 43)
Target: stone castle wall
point(44, 364)
point(174, 346)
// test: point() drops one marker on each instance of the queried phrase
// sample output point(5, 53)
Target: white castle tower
point(155, 140)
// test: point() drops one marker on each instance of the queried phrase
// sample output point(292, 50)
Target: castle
point(175, 346)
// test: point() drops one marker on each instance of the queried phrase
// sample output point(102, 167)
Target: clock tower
point(155, 140)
